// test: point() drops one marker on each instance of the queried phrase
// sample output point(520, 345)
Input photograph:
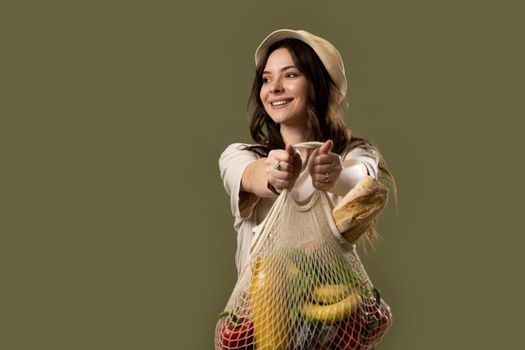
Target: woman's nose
point(276, 86)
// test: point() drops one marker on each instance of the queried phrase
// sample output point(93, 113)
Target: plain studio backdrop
point(116, 231)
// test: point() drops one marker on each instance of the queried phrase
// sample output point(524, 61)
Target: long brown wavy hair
point(324, 113)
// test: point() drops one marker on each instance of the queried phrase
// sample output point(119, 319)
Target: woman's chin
point(280, 118)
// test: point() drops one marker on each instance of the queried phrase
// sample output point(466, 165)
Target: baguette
point(355, 213)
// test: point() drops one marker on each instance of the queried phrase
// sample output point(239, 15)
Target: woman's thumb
point(291, 150)
point(326, 147)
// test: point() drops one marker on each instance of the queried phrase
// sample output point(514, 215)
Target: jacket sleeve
point(368, 158)
point(357, 164)
point(232, 163)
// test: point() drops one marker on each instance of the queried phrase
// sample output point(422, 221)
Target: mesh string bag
point(304, 287)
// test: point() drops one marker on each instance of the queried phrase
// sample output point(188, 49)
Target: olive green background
point(116, 232)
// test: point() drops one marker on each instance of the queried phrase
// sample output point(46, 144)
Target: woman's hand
point(283, 167)
point(325, 167)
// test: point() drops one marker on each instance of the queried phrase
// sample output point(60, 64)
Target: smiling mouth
point(281, 102)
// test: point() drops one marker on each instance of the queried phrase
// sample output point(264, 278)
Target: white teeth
point(278, 103)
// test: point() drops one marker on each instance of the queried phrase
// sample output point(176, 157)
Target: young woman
point(298, 95)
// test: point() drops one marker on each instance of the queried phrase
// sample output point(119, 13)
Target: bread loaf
point(355, 213)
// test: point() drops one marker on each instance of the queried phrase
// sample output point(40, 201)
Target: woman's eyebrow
point(284, 68)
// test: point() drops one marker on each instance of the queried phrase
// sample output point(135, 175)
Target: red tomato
point(365, 328)
point(348, 336)
point(377, 320)
point(236, 333)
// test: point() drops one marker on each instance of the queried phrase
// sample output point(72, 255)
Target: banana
point(332, 312)
point(268, 304)
point(330, 293)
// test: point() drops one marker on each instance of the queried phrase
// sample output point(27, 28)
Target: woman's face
point(284, 89)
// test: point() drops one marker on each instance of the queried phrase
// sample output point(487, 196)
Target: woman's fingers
point(282, 174)
point(281, 179)
point(280, 155)
point(325, 167)
point(323, 163)
point(330, 158)
point(279, 183)
point(280, 163)
point(283, 167)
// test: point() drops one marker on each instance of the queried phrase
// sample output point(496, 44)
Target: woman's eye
point(265, 80)
point(291, 75)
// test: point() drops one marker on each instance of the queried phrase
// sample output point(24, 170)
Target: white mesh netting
point(305, 287)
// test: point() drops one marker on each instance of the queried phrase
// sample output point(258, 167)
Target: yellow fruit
point(332, 312)
point(268, 304)
point(330, 293)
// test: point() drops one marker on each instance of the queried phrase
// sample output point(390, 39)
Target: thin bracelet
point(271, 188)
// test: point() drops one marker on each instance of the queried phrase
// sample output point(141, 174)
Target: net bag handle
point(259, 237)
point(306, 145)
point(309, 144)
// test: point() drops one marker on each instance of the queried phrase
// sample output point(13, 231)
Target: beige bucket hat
point(327, 52)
